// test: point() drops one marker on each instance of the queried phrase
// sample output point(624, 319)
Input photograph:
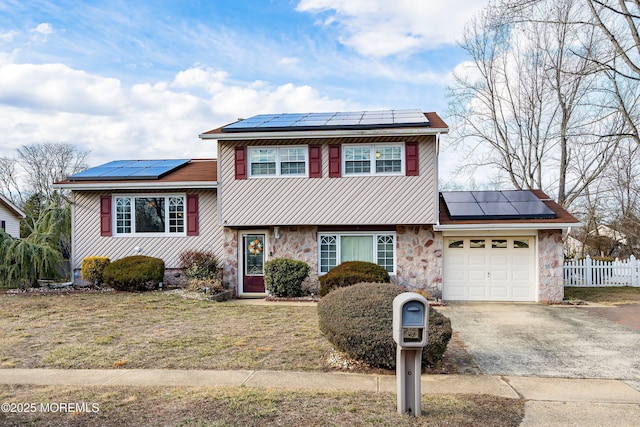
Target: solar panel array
point(330, 121)
point(510, 204)
point(129, 170)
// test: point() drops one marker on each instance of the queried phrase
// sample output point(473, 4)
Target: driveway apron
point(541, 340)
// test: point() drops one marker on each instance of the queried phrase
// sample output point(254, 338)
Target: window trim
point(374, 234)
point(132, 197)
point(278, 161)
point(372, 159)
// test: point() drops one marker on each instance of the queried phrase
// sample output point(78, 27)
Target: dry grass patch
point(613, 295)
point(155, 330)
point(240, 406)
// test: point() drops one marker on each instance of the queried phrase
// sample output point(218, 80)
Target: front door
point(253, 265)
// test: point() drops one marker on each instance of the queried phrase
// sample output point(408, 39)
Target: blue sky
point(141, 79)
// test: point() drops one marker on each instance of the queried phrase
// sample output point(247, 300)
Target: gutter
point(514, 226)
point(241, 136)
point(136, 185)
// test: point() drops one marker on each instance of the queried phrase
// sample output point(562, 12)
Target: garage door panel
point(477, 291)
point(498, 292)
point(477, 272)
point(499, 275)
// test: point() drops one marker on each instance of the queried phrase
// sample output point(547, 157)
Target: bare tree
point(9, 186)
point(530, 101)
point(48, 162)
point(618, 59)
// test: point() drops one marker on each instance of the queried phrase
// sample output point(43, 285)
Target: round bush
point(92, 268)
point(283, 277)
point(358, 320)
point(134, 274)
point(352, 272)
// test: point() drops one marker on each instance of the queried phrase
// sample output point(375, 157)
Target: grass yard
point(238, 406)
point(604, 295)
point(155, 330)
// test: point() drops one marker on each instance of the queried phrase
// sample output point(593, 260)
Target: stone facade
point(550, 261)
point(419, 259)
point(300, 243)
point(230, 260)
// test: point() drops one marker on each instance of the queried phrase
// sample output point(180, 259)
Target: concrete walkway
point(549, 401)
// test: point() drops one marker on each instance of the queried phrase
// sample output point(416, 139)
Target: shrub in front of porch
point(134, 273)
point(284, 277)
point(358, 320)
point(351, 272)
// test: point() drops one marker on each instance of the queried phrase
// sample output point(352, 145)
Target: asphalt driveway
point(550, 341)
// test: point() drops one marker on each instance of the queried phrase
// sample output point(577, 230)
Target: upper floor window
point(150, 215)
point(375, 159)
point(278, 161)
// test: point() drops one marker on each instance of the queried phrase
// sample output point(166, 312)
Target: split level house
point(10, 216)
point(325, 188)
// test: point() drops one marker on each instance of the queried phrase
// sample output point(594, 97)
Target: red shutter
point(105, 216)
point(315, 161)
point(335, 161)
point(412, 159)
point(241, 162)
point(192, 215)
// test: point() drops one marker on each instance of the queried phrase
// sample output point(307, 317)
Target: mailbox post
point(410, 331)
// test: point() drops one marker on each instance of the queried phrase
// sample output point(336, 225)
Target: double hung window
point(376, 159)
point(278, 161)
point(147, 215)
point(336, 248)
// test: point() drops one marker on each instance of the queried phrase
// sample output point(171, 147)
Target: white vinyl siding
point(373, 159)
point(150, 215)
point(336, 248)
point(278, 161)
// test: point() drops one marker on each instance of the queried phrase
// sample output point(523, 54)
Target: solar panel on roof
point(485, 205)
point(129, 169)
point(488, 196)
point(520, 196)
point(329, 121)
point(501, 209)
point(533, 208)
point(458, 197)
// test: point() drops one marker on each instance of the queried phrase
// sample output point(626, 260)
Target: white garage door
point(489, 269)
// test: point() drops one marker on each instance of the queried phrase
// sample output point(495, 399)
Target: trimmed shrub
point(284, 277)
point(92, 268)
point(135, 273)
point(352, 272)
point(358, 320)
point(202, 265)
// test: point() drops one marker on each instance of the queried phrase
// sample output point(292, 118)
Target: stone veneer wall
point(230, 261)
point(418, 255)
point(419, 259)
point(300, 243)
point(550, 261)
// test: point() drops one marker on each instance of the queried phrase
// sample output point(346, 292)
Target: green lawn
point(604, 294)
point(155, 330)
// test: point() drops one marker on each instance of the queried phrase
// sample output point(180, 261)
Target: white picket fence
point(589, 272)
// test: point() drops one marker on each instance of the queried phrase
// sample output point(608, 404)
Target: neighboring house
point(10, 217)
point(327, 188)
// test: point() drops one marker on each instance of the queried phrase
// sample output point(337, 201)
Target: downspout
point(438, 179)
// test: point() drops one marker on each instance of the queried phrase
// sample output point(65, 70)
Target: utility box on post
point(410, 332)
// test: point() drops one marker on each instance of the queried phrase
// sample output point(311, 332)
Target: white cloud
point(380, 28)
point(8, 36)
point(288, 61)
point(53, 102)
point(45, 29)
